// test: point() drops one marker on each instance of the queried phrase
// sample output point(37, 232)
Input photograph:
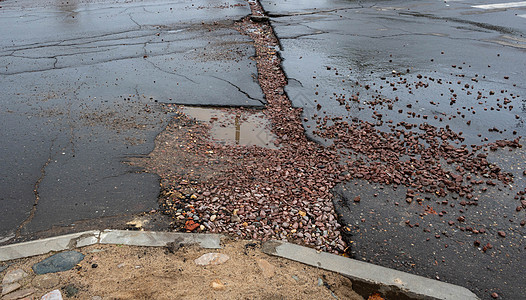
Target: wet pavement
point(443, 66)
point(82, 84)
point(422, 103)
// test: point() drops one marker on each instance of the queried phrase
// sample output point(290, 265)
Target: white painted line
point(501, 5)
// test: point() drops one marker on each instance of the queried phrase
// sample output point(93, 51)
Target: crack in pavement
point(289, 79)
point(168, 72)
point(133, 20)
point(85, 64)
point(281, 15)
point(407, 33)
point(239, 89)
point(497, 28)
point(61, 55)
point(62, 42)
point(35, 191)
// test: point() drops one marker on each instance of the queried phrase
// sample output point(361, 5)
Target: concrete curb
point(367, 277)
point(43, 246)
point(159, 239)
point(122, 237)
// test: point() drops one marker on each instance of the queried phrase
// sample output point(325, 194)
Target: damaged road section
point(91, 75)
point(254, 192)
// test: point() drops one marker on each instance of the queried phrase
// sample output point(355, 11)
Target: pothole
point(234, 126)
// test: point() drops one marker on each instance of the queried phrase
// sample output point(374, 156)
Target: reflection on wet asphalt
point(235, 127)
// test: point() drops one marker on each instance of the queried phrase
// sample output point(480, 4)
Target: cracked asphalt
point(440, 63)
point(82, 83)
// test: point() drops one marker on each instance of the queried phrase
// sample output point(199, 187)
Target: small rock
point(46, 281)
point(320, 282)
point(70, 290)
point(11, 287)
point(121, 265)
point(19, 294)
point(217, 285)
point(267, 268)
point(501, 233)
point(494, 295)
point(213, 218)
point(58, 263)
point(53, 295)
point(96, 298)
point(357, 199)
point(259, 19)
point(13, 276)
point(212, 259)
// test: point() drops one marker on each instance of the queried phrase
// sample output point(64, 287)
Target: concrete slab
point(43, 246)
point(388, 281)
point(159, 239)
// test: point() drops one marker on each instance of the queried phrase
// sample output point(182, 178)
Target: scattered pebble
point(53, 295)
point(46, 281)
point(267, 268)
point(14, 276)
point(11, 287)
point(211, 259)
point(58, 263)
point(70, 290)
point(19, 294)
point(217, 285)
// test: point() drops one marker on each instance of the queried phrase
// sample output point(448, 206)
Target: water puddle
point(235, 127)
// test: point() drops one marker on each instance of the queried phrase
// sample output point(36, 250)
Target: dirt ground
point(128, 272)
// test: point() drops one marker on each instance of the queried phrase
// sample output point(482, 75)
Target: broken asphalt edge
point(392, 283)
point(385, 280)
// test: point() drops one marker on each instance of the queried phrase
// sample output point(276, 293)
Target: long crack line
point(35, 191)
point(239, 89)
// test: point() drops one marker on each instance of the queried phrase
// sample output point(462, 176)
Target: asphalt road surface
point(81, 86)
point(456, 65)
